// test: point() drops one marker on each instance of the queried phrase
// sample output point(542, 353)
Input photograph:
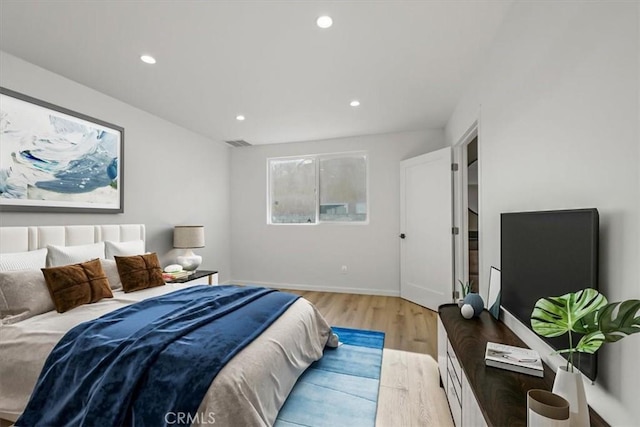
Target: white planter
point(546, 409)
point(570, 386)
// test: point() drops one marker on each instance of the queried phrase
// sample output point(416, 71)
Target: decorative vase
point(546, 409)
point(570, 386)
point(475, 301)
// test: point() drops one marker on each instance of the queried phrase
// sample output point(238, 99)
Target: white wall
point(311, 256)
point(171, 175)
point(558, 109)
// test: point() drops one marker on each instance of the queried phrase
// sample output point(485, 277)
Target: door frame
point(461, 208)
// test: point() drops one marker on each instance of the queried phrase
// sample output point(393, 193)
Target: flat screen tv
point(548, 253)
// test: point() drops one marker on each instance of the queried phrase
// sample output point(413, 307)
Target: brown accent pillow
point(73, 285)
point(139, 272)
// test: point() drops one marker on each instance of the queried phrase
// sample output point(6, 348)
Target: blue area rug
point(341, 389)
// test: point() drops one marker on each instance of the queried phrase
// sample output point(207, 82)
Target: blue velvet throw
point(135, 365)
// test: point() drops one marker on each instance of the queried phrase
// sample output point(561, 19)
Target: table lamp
point(188, 237)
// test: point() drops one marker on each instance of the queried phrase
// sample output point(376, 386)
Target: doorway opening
point(472, 214)
point(468, 211)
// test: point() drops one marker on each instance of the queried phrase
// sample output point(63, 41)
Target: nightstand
point(204, 277)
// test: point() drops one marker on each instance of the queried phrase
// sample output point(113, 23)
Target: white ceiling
point(408, 62)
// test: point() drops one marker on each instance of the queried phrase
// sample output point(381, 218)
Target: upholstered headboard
point(22, 239)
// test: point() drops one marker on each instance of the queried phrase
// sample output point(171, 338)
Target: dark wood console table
point(500, 394)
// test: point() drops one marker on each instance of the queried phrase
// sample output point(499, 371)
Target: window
point(313, 189)
point(293, 190)
point(343, 188)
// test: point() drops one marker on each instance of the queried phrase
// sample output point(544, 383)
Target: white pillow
point(65, 255)
point(31, 260)
point(110, 269)
point(23, 294)
point(133, 247)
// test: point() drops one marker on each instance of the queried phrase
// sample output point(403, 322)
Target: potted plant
point(588, 313)
point(465, 288)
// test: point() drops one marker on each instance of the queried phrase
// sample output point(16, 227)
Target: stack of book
point(175, 275)
point(515, 359)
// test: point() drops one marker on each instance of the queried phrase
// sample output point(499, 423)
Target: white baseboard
point(300, 287)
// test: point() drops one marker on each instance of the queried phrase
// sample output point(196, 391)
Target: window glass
point(293, 190)
point(332, 187)
point(343, 188)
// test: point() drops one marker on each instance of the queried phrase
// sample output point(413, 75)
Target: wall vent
point(238, 143)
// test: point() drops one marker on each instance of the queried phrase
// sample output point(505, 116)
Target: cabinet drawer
point(442, 353)
point(455, 364)
point(457, 384)
point(454, 402)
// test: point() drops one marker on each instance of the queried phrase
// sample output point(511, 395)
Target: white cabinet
point(464, 407)
point(442, 353)
point(471, 413)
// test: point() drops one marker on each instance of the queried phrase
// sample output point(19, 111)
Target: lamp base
point(189, 261)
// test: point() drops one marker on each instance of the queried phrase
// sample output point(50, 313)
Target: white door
point(426, 248)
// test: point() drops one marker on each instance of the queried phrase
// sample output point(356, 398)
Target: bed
point(249, 390)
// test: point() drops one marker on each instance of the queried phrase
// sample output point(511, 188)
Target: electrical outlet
point(343, 269)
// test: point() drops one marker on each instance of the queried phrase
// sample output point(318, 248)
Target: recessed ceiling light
point(240, 117)
point(324, 21)
point(148, 59)
point(354, 103)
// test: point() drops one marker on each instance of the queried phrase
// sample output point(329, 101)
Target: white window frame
point(317, 158)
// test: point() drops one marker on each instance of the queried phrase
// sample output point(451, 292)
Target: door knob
point(402, 236)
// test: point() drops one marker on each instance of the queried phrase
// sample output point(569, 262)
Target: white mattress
point(248, 391)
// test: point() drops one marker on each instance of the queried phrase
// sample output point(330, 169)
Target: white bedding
point(249, 390)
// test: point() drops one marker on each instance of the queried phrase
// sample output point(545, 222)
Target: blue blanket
point(135, 365)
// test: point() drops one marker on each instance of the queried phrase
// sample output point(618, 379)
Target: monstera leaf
point(555, 316)
point(590, 343)
point(614, 326)
point(586, 312)
point(607, 325)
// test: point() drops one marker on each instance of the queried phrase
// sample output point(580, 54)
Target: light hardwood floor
point(410, 393)
point(407, 326)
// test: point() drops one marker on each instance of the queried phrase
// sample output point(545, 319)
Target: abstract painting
point(56, 160)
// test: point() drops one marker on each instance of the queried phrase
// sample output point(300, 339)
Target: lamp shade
point(188, 236)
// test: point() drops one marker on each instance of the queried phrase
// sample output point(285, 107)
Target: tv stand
point(480, 395)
